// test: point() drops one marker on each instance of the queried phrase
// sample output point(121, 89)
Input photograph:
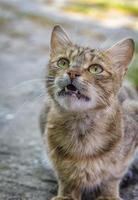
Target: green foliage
point(132, 74)
point(93, 5)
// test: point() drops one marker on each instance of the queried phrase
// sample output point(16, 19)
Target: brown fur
point(91, 146)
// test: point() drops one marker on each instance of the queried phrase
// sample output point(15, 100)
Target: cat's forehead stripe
point(78, 51)
point(80, 56)
point(81, 50)
point(69, 52)
point(75, 53)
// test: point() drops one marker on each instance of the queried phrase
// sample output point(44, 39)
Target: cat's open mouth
point(71, 90)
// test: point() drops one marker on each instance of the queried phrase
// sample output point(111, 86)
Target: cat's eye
point(95, 69)
point(63, 63)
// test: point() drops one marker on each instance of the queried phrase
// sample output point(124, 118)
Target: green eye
point(95, 69)
point(63, 63)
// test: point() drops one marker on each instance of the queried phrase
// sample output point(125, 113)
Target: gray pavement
point(25, 28)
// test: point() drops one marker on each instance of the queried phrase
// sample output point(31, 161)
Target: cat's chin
point(73, 103)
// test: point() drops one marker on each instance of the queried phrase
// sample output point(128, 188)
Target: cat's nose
point(73, 73)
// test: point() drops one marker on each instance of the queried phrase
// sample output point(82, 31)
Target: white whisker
point(9, 126)
point(26, 82)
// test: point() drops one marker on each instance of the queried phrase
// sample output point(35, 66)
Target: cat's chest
point(86, 172)
point(75, 136)
point(80, 127)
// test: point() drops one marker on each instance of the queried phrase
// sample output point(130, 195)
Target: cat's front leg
point(66, 192)
point(110, 191)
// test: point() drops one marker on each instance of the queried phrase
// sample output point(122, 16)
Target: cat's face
point(83, 78)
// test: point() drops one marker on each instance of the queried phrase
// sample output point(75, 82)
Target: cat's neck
point(94, 128)
point(97, 113)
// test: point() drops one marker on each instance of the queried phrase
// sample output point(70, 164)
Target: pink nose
point(73, 73)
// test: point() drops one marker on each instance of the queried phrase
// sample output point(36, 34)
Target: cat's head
point(82, 78)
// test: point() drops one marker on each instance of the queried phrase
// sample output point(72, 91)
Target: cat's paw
point(61, 198)
point(109, 198)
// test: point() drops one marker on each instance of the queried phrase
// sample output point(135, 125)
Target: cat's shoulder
point(127, 92)
point(43, 115)
point(128, 98)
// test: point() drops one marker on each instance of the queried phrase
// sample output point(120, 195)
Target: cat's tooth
point(74, 95)
point(66, 89)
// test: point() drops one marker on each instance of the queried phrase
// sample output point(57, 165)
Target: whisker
point(9, 126)
point(32, 81)
point(50, 81)
point(51, 86)
point(50, 76)
point(26, 82)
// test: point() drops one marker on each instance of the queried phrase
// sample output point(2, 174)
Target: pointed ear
point(121, 55)
point(59, 40)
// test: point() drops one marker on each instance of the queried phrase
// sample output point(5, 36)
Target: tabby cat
point(90, 135)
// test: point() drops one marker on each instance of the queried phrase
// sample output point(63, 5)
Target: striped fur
point(90, 143)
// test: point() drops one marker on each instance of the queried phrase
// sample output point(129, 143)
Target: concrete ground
point(25, 28)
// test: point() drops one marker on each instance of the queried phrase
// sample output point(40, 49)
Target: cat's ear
point(121, 55)
point(59, 40)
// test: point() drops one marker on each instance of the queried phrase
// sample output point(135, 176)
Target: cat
point(89, 133)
